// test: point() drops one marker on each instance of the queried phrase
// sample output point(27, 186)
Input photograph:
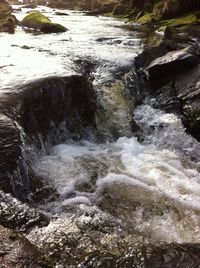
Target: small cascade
point(83, 143)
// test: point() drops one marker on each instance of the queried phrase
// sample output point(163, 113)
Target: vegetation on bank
point(180, 15)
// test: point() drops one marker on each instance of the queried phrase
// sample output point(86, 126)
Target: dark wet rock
point(173, 75)
point(172, 63)
point(19, 216)
point(10, 143)
point(31, 6)
point(146, 256)
point(89, 244)
point(94, 12)
point(19, 9)
point(58, 13)
point(187, 86)
point(16, 251)
point(23, 47)
point(32, 113)
point(175, 81)
point(151, 53)
point(38, 21)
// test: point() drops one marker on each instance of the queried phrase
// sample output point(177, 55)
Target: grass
point(147, 18)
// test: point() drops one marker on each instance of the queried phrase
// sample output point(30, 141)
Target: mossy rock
point(167, 9)
point(38, 21)
point(187, 19)
point(147, 18)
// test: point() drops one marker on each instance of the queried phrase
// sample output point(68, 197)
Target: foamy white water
point(152, 188)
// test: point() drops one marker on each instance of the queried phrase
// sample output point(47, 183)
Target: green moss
point(36, 17)
point(184, 20)
point(147, 18)
point(37, 20)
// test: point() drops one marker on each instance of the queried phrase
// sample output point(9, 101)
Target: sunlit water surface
point(151, 189)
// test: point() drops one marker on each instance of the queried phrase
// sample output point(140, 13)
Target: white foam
point(133, 173)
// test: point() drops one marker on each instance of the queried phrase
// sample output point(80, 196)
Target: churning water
point(149, 189)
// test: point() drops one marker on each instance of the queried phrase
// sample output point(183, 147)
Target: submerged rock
point(58, 13)
point(70, 245)
point(40, 22)
point(19, 216)
point(17, 251)
point(31, 6)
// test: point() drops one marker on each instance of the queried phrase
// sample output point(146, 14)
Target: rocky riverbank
point(172, 67)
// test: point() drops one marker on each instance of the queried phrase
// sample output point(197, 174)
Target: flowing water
point(115, 185)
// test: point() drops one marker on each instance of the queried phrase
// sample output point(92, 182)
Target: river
point(111, 186)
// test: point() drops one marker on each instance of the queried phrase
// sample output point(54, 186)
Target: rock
point(167, 9)
point(103, 9)
point(151, 53)
point(40, 22)
point(171, 63)
point(164, 31)
point(8, 22)
point(187, 87)
point(174, 78)
point(11, 137)
point(19, 9)
point(148, 7)
point(89, 244)
point(146, 18)
point(31, 6)
point(63, 4)
point(35, 110)
point(61, 13)
point(138, 3)
point(18, 216)
point(119, 10)
point(16, 251)
point(146, 256)
point(174, 8)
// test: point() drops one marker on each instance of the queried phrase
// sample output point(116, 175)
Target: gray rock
point(171, 63)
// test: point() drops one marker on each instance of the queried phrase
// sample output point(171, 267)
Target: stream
point(113, 189)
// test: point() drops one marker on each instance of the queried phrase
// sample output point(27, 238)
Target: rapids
point(114, 183)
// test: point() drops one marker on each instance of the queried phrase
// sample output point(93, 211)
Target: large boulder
point(171, 63)
point(31, 114)
point(8, 22)
point(37, 21)
point(174, 78)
